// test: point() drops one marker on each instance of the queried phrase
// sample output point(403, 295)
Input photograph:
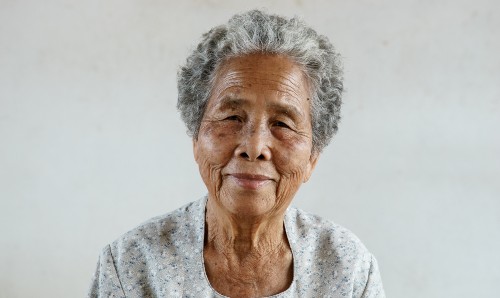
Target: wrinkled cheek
point(211, 177)
point(291, 179)
point(214, 155)
point(292, 165)
point(288, 186)
point(216, 142)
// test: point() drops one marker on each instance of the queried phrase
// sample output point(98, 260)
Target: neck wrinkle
point(256, 237)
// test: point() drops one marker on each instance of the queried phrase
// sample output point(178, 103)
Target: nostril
point(244, 155)
point(261, 157)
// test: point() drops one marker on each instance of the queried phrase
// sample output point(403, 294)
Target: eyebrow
point(231, 103)
point(289, 110)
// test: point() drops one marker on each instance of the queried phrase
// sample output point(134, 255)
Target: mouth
point(250, 181)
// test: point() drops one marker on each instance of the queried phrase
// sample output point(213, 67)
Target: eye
point(233, 118)
point(281, 124)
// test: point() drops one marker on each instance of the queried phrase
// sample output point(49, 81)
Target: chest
point(258, 276)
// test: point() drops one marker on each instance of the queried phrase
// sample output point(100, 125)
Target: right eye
point(233, 118)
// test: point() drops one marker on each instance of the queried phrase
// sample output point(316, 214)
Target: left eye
point(281, 124)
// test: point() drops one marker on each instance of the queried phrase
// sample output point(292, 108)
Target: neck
point(244, 236)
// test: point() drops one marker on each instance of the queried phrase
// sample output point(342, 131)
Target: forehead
point(261, 75)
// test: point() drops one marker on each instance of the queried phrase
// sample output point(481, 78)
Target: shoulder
point(152, 254)
point(330, 256)
point(169, 229)
point(321, 232)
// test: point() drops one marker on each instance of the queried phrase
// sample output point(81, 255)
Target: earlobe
point(311, 165)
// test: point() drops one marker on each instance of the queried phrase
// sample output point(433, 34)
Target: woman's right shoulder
point(165, 229)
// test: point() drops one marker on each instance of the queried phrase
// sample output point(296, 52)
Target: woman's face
point(254, 146)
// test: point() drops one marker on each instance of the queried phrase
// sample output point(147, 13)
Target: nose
point(255, 144)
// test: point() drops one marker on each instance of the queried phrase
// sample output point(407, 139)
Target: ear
point(195, 149)
point(311, 165)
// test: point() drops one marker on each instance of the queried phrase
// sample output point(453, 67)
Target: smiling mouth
point(250, 181)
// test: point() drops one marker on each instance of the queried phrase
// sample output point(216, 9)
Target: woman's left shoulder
point(324, 234)
point(333, 253)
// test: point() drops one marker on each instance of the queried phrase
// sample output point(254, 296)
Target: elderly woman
point(260, 97)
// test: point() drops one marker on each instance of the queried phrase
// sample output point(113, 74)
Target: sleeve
point(373, 288)
point(105, 282)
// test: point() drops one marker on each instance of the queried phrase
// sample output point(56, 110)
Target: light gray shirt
point(164, 258)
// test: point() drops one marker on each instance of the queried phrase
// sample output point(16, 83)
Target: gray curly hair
point(257, 31)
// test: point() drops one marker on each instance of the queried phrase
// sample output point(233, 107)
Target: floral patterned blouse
point(164, 258)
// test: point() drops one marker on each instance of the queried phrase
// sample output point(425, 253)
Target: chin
point(249, 203)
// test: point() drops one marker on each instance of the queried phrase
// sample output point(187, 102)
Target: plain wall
point(91, 143)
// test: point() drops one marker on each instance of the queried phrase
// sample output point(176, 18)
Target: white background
point(91, 143)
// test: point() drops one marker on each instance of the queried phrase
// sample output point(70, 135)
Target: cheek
point(292, 160)
point(287, 138)
point(291, 166)
point(214, 145)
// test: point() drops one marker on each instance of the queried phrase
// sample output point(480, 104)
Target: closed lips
point(250, 177)
point(250, 181)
